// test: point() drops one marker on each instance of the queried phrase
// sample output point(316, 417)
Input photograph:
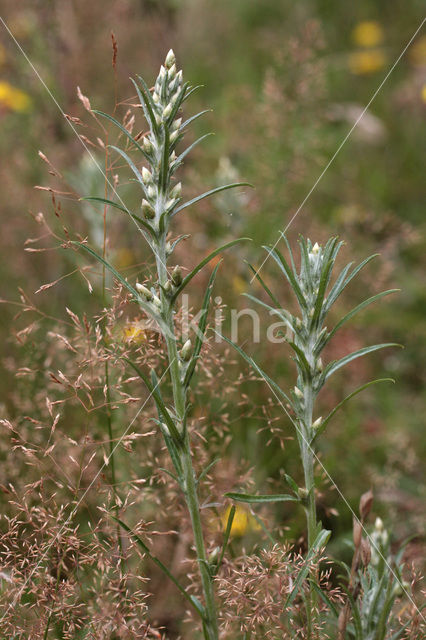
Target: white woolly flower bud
point(186, 350)
point(172, 71)
point(147, 146)
point(146, 175)
point(158, 119)
point(169, 204)
point(176, 191)
point(173, 136)
point(155, 97)
point(147, 210)
point(316, 249)
point(170, 59)
point(144, 291)
point(298, 393)
point(317, 423)
point(176, 124)
point(151, 191)
point(167, 111)
point(162, 73)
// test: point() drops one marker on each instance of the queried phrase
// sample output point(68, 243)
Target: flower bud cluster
point(167, 91)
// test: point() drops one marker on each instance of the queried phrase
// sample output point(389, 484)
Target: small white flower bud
point(172, 71)
point(146, 145)
point(170, 59)
point(156, 97)
point(173, 136)
point(316, 249)
point(172, 157)
point(177, 276)
point(162, 73)
point(176, 124)
point(147, 210)
point(186, 350)
point(144, 291)
point(303, 493)
point(176, 191)
point(168, 286)
point(298, 393)
point(378, 525)
point(146, 175)
point(167, 111)
point(158, 119)
point(165, 429)
point(168, 248)
point(179, 76)
point(156, 300)
point(317, 423)
point(320, 365)
point(170, 203)
point(151, 191)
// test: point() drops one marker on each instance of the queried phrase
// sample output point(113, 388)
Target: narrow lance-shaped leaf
point(271, 383)
point(111, 203)
point(170, 442)
point(109, 266)
point(192, 118)
point(147, 104)
point(131, 164)
point(183, 155)
point(281, 313)
point(226, 537)
point(158, 400)
point(325, 422)
point(123, 129)
point(332, 367)
point(358, 308)
point(194, 602)
point(264, 285)
point(325, 277)
point(210, 193)
point(337, 290)
point(290, 252)
point(202, 264)
point(124, 282)
point(282, 263)
point(252, 498)
point(202, 325)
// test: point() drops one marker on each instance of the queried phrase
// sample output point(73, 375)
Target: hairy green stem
point(210, 625)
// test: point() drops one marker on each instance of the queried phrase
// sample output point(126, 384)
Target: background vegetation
point(286, 82)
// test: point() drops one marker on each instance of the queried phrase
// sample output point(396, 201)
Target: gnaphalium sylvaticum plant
point(161, 200)
point(307, 335)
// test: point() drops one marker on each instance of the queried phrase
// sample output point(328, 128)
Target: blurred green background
point(286, 82)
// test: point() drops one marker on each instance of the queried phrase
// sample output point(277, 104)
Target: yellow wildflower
point(135, 333)
point(13, 98)
point(242, 523)
point(367, 33)
point(364, 62)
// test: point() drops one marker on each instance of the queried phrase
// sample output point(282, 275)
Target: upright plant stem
point(188, 480)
